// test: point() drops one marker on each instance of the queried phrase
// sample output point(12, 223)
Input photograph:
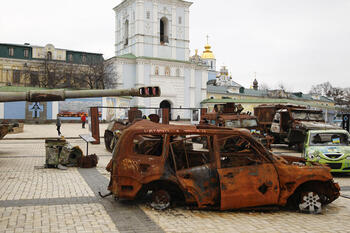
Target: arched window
point(156, 70)
point(126, 32)
point(49, 56)
point(164, 25)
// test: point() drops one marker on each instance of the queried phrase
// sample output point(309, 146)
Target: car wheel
point(310, 202)
point(161, 199)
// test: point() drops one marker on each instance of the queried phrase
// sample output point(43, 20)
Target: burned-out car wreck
point(211, 168)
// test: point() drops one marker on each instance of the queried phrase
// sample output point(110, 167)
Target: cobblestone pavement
point(33, 199)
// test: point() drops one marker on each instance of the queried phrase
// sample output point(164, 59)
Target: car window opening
point(189, 151)
point(237, 152)
point(148, 145)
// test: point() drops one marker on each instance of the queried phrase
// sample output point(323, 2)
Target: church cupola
point(255, 85)
point(208, 56)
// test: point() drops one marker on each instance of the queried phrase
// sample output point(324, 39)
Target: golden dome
point(207, 53)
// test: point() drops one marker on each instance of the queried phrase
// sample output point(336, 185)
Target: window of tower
point(167, 71)
point(49, 56)
point(164, 36)
point(126, 32)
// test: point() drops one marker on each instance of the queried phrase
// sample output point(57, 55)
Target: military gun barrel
point(60, 94)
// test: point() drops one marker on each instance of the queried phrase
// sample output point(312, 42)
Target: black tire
point(108, 137)
point(161, 199)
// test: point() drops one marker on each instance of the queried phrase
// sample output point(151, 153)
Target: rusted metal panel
point(257, 184)
point(95, 126)
point(165, 116)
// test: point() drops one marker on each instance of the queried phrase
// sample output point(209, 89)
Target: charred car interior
point(211, 168)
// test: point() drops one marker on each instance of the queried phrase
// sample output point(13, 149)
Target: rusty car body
point(289, 123)
point(116, 126)
point(213, 168)
point(230, 115)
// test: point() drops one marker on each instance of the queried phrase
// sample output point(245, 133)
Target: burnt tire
point(161, 199)
point(108, 137)
point(310, 202)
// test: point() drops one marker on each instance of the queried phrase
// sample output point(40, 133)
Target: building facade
point(152, 49)
point(27, 65)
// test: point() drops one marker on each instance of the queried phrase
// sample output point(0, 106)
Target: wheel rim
point(160, 200)
point(310, 202)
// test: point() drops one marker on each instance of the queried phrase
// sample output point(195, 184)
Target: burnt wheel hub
point(310, 202)
point(160, 199)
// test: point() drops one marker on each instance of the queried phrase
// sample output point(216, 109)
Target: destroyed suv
point(213, 168)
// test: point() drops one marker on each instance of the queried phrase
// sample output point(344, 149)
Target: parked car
point(217, 168)
point(330, 147)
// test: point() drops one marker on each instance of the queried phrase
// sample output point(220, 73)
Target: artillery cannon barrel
point(60, 94)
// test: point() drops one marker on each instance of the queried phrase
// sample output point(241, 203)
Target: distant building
point(26, 65)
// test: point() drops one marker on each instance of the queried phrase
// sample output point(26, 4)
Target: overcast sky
point(295, 42)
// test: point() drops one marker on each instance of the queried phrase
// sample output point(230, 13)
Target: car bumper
point(336, 166)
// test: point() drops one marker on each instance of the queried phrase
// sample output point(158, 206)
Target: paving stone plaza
point(35, 199)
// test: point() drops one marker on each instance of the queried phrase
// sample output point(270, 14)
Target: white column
point(2, 110)
point(155, 30)
point(187, 34)
point(173, 32)
point(139, 28)
point(54, 110)
point(104, 110)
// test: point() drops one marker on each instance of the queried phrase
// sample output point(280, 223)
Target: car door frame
point(247, 186)
point(205, 191)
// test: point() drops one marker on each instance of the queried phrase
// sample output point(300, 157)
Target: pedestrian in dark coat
point(58, 124)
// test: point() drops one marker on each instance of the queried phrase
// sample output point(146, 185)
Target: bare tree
point(321, 89)
point(56, 74)
point(264, 87)
point(341, 96)
point(95, 76)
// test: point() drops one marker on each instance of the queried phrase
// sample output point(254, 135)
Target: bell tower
point(153, 28)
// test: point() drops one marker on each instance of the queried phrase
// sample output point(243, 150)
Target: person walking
point(83, 121)
point(58, 124)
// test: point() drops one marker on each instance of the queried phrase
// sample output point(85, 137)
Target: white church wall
point(129, 75)
point(187, 81)
point(198, 87)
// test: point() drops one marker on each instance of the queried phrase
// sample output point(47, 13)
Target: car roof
point(146, 126)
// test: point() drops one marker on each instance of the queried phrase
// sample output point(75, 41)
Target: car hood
point(317, 125)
